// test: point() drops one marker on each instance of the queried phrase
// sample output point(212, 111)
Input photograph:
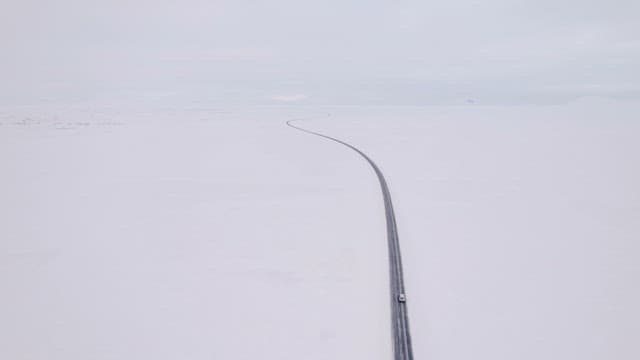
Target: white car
point(402, 298)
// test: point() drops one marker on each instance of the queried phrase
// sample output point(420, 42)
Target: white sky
point(330, 51)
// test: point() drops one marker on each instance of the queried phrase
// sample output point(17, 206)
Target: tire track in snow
point(400, 333)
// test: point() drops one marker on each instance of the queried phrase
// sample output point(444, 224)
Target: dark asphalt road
point(399, 315)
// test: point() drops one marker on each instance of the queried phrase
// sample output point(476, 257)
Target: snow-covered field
point(220, 233)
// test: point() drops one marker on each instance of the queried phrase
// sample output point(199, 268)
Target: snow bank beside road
point(518, 225)
point(199, 234)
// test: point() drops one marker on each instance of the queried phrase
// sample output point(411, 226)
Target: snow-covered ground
point(220, 233)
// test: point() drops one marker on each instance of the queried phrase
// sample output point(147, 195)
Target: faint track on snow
point(401, 336)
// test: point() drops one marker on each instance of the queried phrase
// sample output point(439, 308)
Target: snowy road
point(399, 315)
point(128, 232)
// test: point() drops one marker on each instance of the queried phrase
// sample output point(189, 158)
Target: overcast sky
point(320, 52)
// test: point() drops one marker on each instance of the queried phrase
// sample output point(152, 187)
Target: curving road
point(399, 315)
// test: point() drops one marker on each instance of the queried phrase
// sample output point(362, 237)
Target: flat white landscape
point(220, 233)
